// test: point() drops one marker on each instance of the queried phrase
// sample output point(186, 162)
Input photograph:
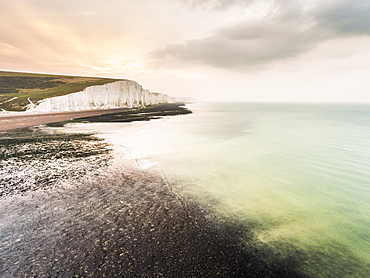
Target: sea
point(297, 174)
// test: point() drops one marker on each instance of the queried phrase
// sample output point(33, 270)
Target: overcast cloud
point(218, 4)
point(345, 17)
point(287, 30)
point(281, 50)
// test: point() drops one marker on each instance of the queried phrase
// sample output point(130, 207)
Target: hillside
point(16, 88)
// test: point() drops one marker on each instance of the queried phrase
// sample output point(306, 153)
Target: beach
point(118, 220)
point(14, 120)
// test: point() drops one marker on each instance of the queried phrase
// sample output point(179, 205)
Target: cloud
point(345, 17)
point(248, 43)
point(289, 29)
point(216, 4)
point(7, 49)
point(243, 45)
point(77, 32)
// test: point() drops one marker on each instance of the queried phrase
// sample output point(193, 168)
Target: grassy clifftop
point(16, 88)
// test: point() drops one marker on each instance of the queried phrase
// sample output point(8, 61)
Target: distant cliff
point(118, 94)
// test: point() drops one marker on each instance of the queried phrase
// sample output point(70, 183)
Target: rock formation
point(124, 93)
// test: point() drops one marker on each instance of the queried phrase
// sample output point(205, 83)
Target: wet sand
point(14, 120)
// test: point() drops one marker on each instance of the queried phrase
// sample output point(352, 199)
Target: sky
point(234, 50)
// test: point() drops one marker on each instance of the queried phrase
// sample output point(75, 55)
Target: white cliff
point(125, 93)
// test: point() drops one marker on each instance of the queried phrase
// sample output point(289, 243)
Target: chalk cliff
point(125, 93)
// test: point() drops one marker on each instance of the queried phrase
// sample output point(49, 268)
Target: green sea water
point(297, 174)
point(300, 173)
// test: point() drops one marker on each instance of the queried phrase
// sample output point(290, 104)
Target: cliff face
point(118, 94)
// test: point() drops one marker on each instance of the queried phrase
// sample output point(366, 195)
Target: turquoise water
point(299, 172)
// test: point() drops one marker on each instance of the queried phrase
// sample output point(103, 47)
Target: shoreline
point(119, 221)
point(16, 120)
point(10, 121)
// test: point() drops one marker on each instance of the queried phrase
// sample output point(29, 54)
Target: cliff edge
point(119, 94)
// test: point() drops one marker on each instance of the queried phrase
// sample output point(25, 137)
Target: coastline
point(15, 120)
point(119, 220)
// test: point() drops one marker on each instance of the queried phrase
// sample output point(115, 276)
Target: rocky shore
point(31, 159)
point(103, 217)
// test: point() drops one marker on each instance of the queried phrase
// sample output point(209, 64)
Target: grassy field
point(16, 88)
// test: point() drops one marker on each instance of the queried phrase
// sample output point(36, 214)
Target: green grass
point(16, 87)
